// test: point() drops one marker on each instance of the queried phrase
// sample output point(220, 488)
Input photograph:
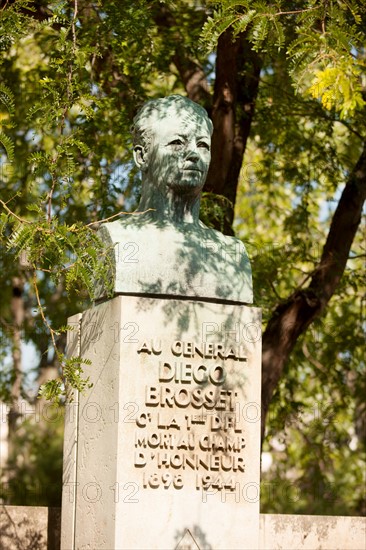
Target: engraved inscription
point(190, 432)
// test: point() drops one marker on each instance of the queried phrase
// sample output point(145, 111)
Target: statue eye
point(204, 145)
point(176, 142)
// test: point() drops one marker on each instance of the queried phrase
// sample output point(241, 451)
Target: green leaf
point(8, 145)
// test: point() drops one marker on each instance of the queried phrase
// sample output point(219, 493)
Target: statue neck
point(172, 207)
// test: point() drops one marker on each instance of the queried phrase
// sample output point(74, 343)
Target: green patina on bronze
point(164, 249)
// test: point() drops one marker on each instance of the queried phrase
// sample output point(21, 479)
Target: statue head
point(172, 138)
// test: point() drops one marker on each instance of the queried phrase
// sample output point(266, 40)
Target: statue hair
point(150, 112)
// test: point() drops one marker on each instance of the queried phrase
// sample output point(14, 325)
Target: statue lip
point(192, 169)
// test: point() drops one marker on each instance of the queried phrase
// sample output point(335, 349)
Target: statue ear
point(140, 157)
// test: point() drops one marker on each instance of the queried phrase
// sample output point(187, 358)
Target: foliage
point(317, 439)
point(213, 210)
point(338, 88)
point(324, 45)
point(34, 469)
point(288, 190)
point(72, 77)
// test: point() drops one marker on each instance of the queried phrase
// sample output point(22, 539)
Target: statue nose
point(193, 154)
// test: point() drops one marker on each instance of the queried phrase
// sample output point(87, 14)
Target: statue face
point(179, 154)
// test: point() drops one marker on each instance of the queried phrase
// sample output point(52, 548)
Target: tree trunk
point(17, 311)
point(236, 88)
point(190, 71)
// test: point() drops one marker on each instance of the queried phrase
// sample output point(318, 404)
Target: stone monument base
point(163, 451)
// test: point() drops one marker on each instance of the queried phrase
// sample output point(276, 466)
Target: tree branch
point(193, 78)
point(292, 318)
point(190, 71)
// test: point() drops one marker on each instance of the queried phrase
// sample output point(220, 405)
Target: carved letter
point(144, 349)
point(166, 372)
point(140, 460)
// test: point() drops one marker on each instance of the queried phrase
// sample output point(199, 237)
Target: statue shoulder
point(114, 232)
point(225, 242)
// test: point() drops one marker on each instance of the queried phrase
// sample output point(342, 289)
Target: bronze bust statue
point(165, 250)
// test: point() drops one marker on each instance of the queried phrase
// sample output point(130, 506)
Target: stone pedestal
point(163, 451)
